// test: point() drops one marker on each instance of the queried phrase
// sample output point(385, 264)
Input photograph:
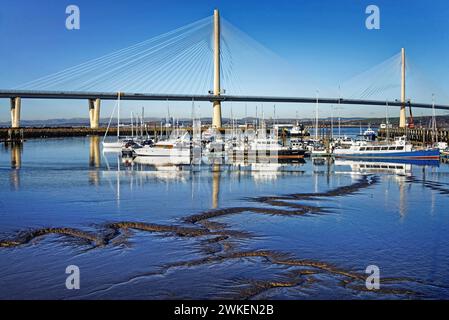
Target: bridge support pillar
point(15, 112)
point(94, 113)
point(216, 120)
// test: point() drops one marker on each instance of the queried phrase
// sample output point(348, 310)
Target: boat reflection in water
point(396, 170)
point(375, 167)
point(160, 163)
point(396, 166)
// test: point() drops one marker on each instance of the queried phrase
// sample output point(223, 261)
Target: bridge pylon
point(402, 115)
point(216, 118)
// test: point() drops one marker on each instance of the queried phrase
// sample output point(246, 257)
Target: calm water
point(165, 234)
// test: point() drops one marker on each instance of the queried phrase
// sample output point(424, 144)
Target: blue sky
point(326, 40)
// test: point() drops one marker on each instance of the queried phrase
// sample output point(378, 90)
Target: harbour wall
point(8, 134)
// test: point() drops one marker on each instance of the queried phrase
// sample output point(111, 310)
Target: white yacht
point(177, 146)
point(344, 141)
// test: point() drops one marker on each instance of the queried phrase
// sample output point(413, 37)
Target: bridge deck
point(27, 94)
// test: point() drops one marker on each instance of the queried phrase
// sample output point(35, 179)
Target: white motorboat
point(397, 149)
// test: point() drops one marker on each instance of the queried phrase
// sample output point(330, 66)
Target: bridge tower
point(402, 116)
point(216, 119)
point(15, 112)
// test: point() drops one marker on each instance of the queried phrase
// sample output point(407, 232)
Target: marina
point(153, 202)
point(296, 151)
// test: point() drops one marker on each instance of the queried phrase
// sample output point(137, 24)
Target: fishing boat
point(369, 134)
point(399, 148)
point(299, 130)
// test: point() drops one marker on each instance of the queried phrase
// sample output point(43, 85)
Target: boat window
point(369, 149)
point(391, 148)
point(400, 148)
point(376, 148)
point(362, 149)
point(384, 148)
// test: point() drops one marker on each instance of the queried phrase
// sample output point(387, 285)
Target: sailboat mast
point(434, 123)
point(143, 121)
point(316, 117)
point(339, 126)
point(132, 126)
point(388, 122)
point(332, 122)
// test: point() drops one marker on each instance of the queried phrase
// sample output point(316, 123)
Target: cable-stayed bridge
point(195, 63)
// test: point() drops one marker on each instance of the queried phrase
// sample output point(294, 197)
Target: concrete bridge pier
point(94, 113)
point(15, 112)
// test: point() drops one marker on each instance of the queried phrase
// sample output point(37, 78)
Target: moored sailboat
point(114, 144)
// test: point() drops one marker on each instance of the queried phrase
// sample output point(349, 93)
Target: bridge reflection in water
point(94, 160)
point(16, 164)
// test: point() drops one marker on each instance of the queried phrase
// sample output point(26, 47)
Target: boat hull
point(431, 154)
point(272, 155)
point(112, 145)
point(158, 152)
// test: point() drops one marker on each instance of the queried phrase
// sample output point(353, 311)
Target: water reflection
point(94, 160)
point(375, 167)
point(94, 152)
point(16, 164)
point(140, 170)
point(216, 175)
point(397, 171)
point(159, 163)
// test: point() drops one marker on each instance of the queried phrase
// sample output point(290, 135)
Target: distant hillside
point(442, 121)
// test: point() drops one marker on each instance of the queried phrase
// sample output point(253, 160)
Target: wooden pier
point(418, 136)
